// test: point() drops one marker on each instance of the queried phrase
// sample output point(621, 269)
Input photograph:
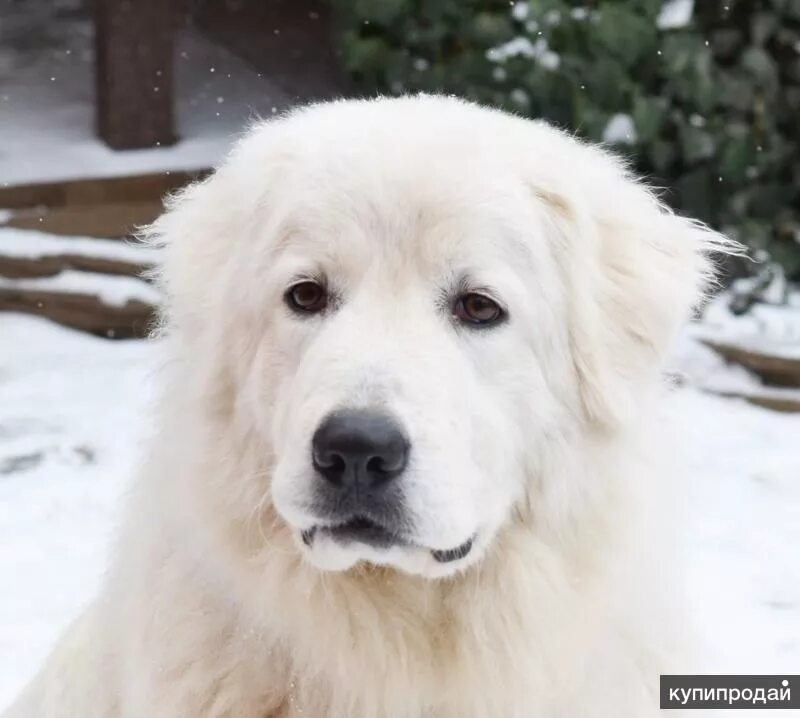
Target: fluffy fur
point(535, 435)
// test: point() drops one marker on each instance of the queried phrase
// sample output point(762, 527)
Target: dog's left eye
point(477, 309)
point(307, 297)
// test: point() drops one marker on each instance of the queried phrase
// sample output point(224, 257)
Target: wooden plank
point(105, 221)
point(134, 41)
point(773, 369)
point(766, 401)
point(97, 190)
point(82, 311)
point(52, 264)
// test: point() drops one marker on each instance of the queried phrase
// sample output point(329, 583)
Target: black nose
point(359, 448)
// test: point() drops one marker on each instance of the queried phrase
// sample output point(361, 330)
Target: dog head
point(391, 311)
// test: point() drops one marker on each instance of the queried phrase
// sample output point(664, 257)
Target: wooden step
point(773, 369)
point(103, 208)
point(53, 264)
point(774, 402)
point(104, 221)
point(97, 191)
point(82, 311)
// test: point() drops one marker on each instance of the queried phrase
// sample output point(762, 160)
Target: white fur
point(535, 436)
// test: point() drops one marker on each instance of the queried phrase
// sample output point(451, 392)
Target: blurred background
point(108, 105)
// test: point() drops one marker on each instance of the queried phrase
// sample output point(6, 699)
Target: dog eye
point(308, 297)
point(477, 309)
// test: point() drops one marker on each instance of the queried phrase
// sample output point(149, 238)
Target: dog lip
point(453, 554)
point(360, 529)
point(308, 536)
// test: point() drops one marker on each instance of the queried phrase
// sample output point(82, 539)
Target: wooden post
point(134, 41)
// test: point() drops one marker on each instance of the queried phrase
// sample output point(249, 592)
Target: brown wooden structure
point(107, 208)
point(286, 40)
point(134, 44)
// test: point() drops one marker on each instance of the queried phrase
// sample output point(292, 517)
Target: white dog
point(404, 463)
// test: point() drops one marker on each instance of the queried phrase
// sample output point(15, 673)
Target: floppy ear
point(196, 233)
point(634, 271)
point(184, 237)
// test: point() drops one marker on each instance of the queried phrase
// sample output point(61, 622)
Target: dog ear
point(195, 234)
point(182, 236)
point(634, 271)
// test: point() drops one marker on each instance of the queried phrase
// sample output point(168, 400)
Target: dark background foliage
point(711, 109)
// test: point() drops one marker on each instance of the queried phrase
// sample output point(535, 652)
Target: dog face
point(422, 297)
point(404, 365)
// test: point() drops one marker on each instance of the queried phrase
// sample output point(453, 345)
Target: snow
point(115, 290)
point(520, 10)
point(704, 369)
point(675, 14)
point(72, 423)
point(767, 328)
point(552, 17)
point(31, 244)
point(112, 290)
point(47, 96)
point(522, 47)
point(620, 130)
point(73, 420)
point(518, 46)
point(744, 532)
point(520, 96)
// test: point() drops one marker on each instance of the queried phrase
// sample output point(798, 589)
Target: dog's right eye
point(307, 297)
point(477, 309)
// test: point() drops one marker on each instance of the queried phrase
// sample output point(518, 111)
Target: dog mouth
point(361, 529)
point(357, 529)
point(453, 554)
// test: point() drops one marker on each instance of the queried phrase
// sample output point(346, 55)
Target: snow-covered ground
point(743, 509)
point(73, 420)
